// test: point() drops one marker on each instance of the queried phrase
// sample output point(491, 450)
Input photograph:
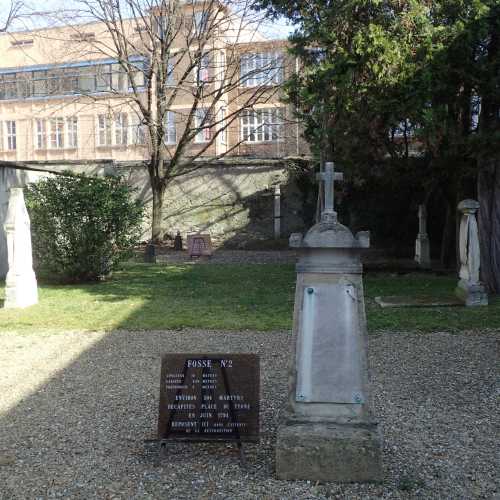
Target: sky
point(275, 29)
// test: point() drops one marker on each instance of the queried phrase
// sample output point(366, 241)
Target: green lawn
point(256, 297)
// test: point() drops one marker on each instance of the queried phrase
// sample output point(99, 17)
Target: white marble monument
point(326, 432)
point(422, 248)
point(20, 285)
point(469, 288)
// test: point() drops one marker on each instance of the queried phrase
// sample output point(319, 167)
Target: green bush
point(82, 227)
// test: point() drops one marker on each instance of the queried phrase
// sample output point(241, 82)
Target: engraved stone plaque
point(199, 245)
point(206, 397)
point(329, 363)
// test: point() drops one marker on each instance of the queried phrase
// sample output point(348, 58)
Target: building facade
point(63, 97)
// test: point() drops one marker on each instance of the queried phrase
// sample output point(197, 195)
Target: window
point(162, 26)
point(103, 77)
point(223, 128)
point(10, 125)
point(138, 132)
point(222, 66)
point(202, 122)
point(137, 74)
point(119, 80)
point(41, 134)
point(170, 80)
point(200, 21)
point(263, 125)
point(170, 131)
point(201, 70)
point(72, 131)
point(261, 69)
point(121, 129)
point(58, 81)
point(103, 130)
point(56, 133)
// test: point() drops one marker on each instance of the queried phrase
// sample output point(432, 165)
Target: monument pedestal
point(326, 432)
point(471, 294)
point(422, 251)
point(328, 451)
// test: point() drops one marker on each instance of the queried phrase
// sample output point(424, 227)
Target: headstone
point(277, 212)
point(20, 284)
point(469, 289)
point(199, 245)
point(178, 242)
point(150, 253)
point(422, 248)
point(326, 432)
point(207, 397)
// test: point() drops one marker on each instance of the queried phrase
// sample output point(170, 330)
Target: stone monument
point(422, 250)
point(469, 289)
point(326, 432)
point(20, 284)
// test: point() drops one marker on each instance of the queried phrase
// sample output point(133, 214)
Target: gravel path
point(75, 408)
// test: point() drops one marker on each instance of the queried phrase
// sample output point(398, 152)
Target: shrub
point(82, 227)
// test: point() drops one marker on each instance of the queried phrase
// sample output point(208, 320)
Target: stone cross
point(329, 176)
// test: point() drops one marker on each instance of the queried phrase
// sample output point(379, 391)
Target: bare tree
point(13, 13)
point(180, 71)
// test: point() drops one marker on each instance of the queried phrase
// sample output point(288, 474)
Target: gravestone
point(20, 284)
point(199, 245)
point(209, 397)
point(469, 289)
point(178, 242)
point(326, 432)
point(277, 212)
point(422, 248)
point(150, 253)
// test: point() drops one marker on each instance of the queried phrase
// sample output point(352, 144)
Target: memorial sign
point(199, 245)
point(209, 397)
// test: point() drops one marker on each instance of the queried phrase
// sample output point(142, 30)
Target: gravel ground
point(75, 408)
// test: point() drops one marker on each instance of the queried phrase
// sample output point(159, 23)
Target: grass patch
point(225, 296)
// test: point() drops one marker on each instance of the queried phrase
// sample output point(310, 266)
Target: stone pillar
point(20, 285)
point(277, 212)
point(422, 248)
point(326, 432)
point(469, 288)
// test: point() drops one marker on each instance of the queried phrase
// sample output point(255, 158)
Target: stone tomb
point(326, 432)
point(209, 397)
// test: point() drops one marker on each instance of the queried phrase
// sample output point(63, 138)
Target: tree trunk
point(488, 189)
point(157, 215)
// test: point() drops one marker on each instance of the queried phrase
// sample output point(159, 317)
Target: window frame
point(254, 64)
point(257, 126)
point(11, 135)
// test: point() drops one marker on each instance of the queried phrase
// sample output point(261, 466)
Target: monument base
point(472, 294)
point(21, 291)
point(329, 452)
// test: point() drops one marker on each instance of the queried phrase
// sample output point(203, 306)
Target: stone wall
point(232, 200)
